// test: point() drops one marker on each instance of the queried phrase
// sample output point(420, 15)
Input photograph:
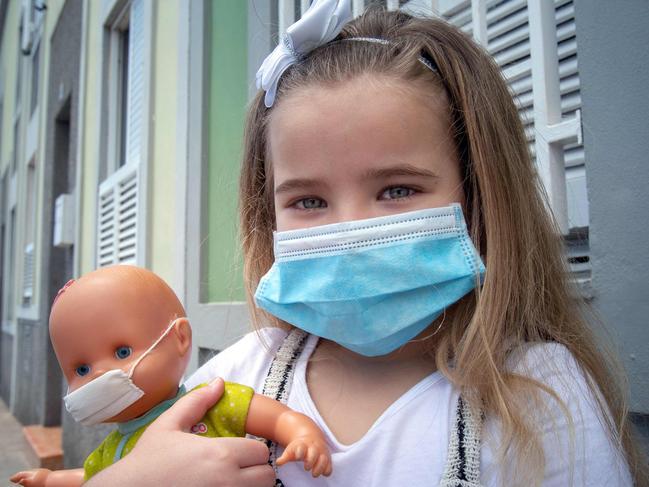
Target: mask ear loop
point(164, 334)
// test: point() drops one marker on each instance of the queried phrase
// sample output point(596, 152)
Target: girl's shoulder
point(550, 363)
point(578, 447)
point(245, 362)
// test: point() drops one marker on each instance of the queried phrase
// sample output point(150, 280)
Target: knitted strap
point(279, 378)
point(463, 462)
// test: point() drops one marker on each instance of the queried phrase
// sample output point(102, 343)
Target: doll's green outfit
point(226, 418)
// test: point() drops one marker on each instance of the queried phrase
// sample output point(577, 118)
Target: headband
point(320, 24)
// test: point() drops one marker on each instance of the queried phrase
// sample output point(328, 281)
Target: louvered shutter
point(118, 205)
point(508, 40)
point(117, 224)
point(28, 272)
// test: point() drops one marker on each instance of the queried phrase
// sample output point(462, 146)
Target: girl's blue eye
point(311, 204)
point(82, 370)
point(123, 352)
point(397, 192)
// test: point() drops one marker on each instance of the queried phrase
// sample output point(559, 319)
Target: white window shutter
point(28, 271)
point(118, 205)
point(118, 218)
point(508, 40)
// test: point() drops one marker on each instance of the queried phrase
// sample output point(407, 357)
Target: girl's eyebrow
point(400, 170)
point(374, 173)
point(298, 183)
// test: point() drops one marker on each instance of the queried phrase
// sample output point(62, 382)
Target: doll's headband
point(320, 24)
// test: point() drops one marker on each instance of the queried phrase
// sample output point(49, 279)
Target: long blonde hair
point(526, 296)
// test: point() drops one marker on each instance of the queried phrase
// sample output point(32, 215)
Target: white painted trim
point(304, 6)
point(81, 138)
point(358, 7)
point(479, 22)
point(285, 15)
point(179, 280)
point(144, 197)
point(31, 137)
point(547, 108)
point(392, 4)
point(112, 9)
point(196, 127)
point(426, 8)
point(27, 313)
point(214, 325)
point(9, 327)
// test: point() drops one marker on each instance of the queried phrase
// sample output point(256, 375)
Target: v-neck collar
point(304, 396)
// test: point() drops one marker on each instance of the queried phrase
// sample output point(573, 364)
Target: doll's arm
point(300, 436)
point(42, 477)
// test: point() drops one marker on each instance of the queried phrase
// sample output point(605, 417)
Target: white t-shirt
point(408, 443)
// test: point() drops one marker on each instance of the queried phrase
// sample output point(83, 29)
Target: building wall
point(166, 191)
point(614, 65)
point(9, 56)
point(227, 98)
point(89, 138)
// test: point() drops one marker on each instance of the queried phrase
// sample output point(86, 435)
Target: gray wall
point(6, 355)
point(29, 404)
point(612, 39)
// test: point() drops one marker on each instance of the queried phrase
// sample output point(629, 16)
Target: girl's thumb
point(190, 408)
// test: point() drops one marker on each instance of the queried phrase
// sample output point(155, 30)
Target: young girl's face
point(363, 148)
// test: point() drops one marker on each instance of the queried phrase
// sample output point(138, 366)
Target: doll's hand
point(31, 478)
point(312, 450)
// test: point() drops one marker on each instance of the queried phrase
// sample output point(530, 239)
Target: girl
point(374, 152)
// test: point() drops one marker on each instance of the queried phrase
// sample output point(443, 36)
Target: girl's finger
point(257, 476)
point(246, 452)
point(190, 408)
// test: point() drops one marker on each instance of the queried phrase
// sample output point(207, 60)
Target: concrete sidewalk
point(13, 447)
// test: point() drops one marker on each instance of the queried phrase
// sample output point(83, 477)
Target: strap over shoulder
point(463, 462)
point(280, 377)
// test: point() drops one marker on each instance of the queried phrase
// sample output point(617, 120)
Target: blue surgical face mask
point(371, 285)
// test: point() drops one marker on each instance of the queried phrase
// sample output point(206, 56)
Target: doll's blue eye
point(123, 352)
point(82, 370)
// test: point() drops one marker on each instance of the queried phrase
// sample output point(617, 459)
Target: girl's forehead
point(359, 122)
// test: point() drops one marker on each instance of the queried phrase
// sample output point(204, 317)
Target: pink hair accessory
point(62, 290)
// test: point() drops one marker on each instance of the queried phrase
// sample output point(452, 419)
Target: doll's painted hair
point(527, 296)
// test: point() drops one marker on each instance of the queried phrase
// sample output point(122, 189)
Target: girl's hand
point(313, 451)
point(167, 454)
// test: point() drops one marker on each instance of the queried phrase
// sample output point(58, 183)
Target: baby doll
point(123, 342)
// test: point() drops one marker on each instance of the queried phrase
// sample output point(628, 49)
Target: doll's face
point(95, 328)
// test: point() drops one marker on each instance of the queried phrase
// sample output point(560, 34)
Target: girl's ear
point(183, 334)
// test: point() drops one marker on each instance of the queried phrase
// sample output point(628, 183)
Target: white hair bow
point(321, 23)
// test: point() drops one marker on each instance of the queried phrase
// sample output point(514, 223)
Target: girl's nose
point(351, 210)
